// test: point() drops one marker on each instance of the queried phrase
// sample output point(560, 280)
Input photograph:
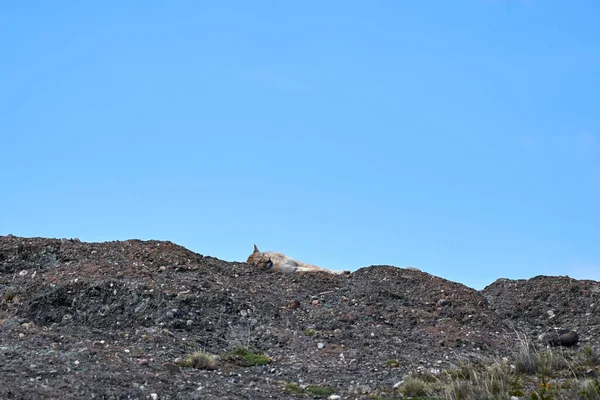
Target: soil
point(112, 321)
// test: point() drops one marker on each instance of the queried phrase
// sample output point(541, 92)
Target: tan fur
point(273, 261)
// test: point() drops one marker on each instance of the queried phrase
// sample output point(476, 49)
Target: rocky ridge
point(111, 320)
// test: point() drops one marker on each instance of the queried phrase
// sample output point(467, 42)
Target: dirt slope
point(108, 320)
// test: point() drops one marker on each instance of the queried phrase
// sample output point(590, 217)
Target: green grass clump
point(590, 389)
point(9, 294)
point(413, 387)
point(294, 389)
point(383, 396)
point(199, 360)
point(243, 357)
point(319, 391)
point(590, 356)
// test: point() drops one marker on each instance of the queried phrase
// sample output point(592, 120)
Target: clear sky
point(459, 137)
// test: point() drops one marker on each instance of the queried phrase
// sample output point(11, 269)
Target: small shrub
point(294, 389)
point(392, 363)
point(243, 357)
point(413, 387)
point(310, 332)
point(464, 372)
point(554, 360)
point(199, 360)
point(526, 360)
point(460, 390)
point(591, 356)
point(9, 294)
point(383, 396)
point(319, 391)
point(590, 390)
point(496, 379)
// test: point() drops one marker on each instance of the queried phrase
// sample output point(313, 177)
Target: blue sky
point(462, 138)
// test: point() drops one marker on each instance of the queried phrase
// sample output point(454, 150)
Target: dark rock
point(562, 337)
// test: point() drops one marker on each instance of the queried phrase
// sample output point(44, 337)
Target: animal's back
point(279, 262)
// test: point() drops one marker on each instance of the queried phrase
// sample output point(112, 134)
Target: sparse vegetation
point(319, 391)
point(414, 387)
point(294, 389)
point(243, 357)
point(590, 389)
point(536, 374)
point(385, 397)
point(9, 294)
point(199, 360)
point(591, 356)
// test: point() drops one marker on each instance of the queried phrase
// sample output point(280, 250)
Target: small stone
point(442, 302)
point(144, 361)
point(335, 397)
point(243, 313)
point(363, 389)
point(315, 302)
point(189, 322)
point(320, 345)
point(154, 396)
point(23, 273)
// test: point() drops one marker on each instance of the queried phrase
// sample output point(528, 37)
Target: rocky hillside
point(116, 320)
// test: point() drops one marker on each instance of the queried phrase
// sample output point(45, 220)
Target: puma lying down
point(273, 261)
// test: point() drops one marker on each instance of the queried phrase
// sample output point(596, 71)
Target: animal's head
point(260, 260)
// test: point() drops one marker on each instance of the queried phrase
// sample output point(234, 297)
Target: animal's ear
point(256, 249)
